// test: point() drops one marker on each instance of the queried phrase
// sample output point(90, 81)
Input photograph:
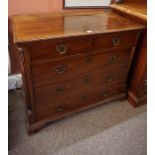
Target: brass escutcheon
point(60, 108)
point(61, 68)
point(62, 49)
point(116, 41)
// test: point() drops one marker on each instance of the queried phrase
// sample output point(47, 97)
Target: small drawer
point(81, 100)
point(48, 73)
point(58, 48)
point(114, 41)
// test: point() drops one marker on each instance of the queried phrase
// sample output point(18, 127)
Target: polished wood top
point(138, 10)
point(139, 7)
point(27, 28)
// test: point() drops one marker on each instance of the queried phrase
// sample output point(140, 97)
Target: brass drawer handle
point(62, 49)
point(60, 90)
point(61, 69)
point(113, 59)
point(60, 108)
point(109, 78)
point(116, 41)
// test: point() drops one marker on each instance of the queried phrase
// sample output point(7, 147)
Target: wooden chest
point(71, 62)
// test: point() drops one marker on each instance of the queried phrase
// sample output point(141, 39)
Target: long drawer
point(68, 89)
point(48, 73)
point(84, 99)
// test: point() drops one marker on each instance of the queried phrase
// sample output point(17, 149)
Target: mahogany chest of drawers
point(71, 62)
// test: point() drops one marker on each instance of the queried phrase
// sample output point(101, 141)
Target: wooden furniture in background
point(136, 10)
point(68, 68)
point(137, 87)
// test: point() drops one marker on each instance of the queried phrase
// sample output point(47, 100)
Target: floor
point(115, 128)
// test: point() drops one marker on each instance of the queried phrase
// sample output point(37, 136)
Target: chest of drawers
point(67, 69)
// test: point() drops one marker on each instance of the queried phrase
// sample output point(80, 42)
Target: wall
point(35, 6)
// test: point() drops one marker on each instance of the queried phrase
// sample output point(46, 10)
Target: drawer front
point(44, 74)
point(82, 100)
point(69, 89)
point(114, 41)
point(58, 48)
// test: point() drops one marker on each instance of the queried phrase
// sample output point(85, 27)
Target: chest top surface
point(27, 28)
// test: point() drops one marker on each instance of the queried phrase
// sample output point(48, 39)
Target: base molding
point(135, 101)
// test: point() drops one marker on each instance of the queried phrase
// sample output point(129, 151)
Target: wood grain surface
point(135, 9)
